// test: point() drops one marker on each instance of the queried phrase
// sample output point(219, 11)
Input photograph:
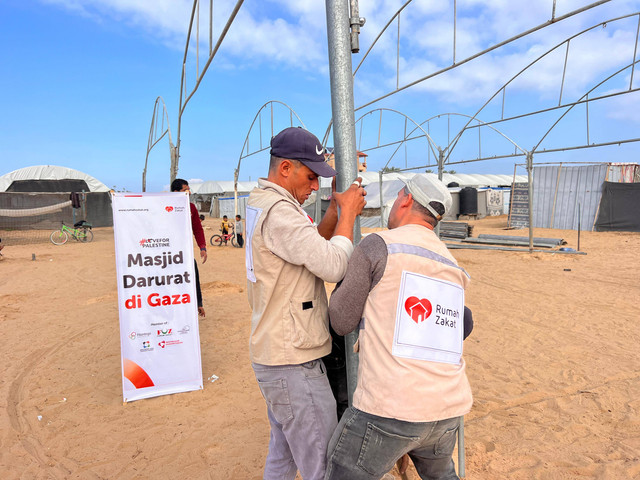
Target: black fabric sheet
point(619, 208)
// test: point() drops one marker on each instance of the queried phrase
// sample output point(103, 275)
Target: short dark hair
point(424, 211)
point(224, 216)
point(177, 184)
point(238, 216)
point(275, 161)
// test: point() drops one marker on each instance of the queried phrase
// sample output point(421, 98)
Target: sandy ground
point(553, 362)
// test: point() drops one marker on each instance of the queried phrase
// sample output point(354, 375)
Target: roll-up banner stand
point(159, 337)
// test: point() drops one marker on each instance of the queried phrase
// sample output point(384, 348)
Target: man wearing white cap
point(405, 293)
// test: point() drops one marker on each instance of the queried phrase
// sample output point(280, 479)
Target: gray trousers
point(302, 414)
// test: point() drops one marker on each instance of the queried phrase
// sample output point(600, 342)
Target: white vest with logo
point(410, 365)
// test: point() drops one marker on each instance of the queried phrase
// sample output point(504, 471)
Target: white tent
point(50, 172)
point(206, 188)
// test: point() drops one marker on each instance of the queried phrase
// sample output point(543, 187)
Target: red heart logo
point(418, 309)
point(168, 209)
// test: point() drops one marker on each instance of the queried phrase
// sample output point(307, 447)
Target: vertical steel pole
point(344, 131)
point(530, 177)
point(440, 175)
point(382, 225)
point(461, 452)
point(317, 207)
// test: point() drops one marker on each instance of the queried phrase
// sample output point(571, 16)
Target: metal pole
point(381, 200)
point(236, 172)
point(317, 208)
point(530, 177)
point(461, 468)
point(440, 175)
point(579, 217)
point(344, 131)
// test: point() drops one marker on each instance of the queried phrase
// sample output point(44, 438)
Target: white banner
point(159, 337)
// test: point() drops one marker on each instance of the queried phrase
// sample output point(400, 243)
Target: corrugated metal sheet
point(559, 190)
point(624, 173)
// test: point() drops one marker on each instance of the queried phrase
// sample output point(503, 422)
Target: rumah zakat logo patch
point(169, 209)
point(418, 309)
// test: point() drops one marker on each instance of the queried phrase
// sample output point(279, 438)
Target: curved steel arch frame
point(440, 151)
point(184, 98)
point(245, 145)
point(455, 64)
point(153, 135)
point(566, 41)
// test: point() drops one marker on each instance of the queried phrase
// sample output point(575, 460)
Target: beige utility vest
point(290, 320)
point(405, 388)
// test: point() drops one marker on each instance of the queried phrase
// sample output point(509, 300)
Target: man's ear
point(407, 200)
point(285, 168)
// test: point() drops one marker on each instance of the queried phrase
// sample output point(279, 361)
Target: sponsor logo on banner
point(146, 346)
point(164, 333)
point(169, 343)
point(184, 330)
point(155, 243)
point(170, 209)
point(133, 335)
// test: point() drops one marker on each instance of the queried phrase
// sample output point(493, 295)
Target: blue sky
point(80, 77)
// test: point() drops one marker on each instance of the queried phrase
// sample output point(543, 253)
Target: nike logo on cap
point(319, 152)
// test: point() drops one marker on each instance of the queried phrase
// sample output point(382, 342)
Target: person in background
point(224, 226)
point(239, 231)
point(288, 259)
point(405, 293)
point(180, 185)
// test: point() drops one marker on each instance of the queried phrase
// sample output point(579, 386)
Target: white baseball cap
point(425, 190)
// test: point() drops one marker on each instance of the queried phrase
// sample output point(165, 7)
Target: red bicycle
point(218, 240)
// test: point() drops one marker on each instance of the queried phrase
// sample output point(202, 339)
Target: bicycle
point(218, 240)
point(80, 233)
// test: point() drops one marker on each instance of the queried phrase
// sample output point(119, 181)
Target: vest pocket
point(309, 329)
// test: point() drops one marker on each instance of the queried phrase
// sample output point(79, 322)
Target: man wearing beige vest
point(288, 259)
point(405, 293)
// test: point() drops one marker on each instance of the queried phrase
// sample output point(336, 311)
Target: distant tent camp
point(38, 197)
point(50, 178)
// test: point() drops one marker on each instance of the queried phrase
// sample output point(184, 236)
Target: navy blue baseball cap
point(296, 143)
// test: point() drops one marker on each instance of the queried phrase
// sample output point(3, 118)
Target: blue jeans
point(366, 446)
point(302, 414)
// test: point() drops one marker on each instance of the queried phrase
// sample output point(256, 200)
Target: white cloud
point(292, 34)
point(625, 108)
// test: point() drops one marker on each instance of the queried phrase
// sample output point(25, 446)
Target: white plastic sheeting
point(51, 172)
point(221, 187)
point(393, 182)
point(462, 179)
